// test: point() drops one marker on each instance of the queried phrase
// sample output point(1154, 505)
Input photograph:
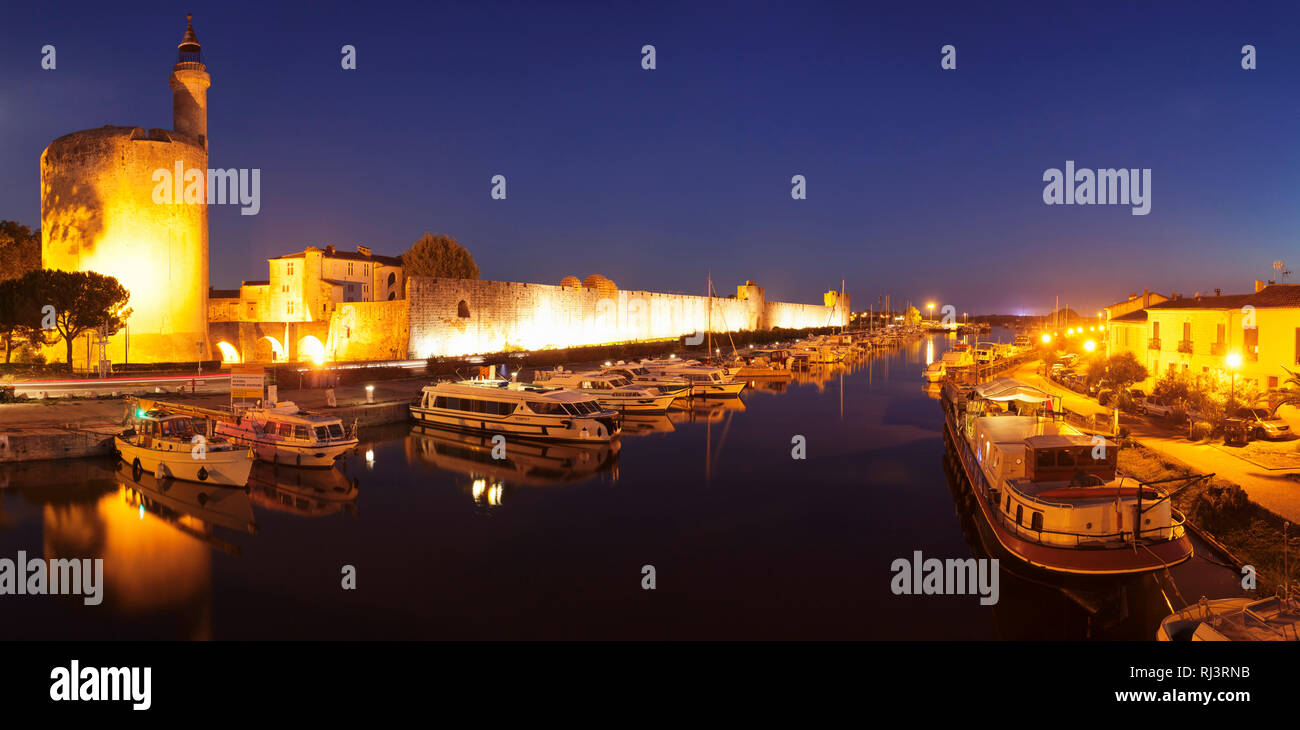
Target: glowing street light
point(1047, 339)
point(1233, 361)
point(1090, 345)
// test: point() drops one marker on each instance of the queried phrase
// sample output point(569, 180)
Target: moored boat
point(523, 410)
point(1050, 494)
point(1234, 619)
point(167, 445)
point(609, 390)
point(283, 434)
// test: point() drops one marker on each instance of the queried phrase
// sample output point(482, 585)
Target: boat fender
point(299, 463)
point(137, 470)
point(203, 473)
point(160, 472)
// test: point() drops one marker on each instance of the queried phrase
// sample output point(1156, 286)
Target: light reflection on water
point(549, 542)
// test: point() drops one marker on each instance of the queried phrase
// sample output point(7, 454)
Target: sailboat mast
point(710, 335)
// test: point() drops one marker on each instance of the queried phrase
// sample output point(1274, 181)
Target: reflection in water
point(644, 425)
point(524, 462)
point(303, 492)
point(702, 410)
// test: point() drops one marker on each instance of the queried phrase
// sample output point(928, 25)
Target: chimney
point(1146, 298)
point(1259, 285)
point(1216, 291)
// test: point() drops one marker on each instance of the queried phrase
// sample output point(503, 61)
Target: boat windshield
point(336, 430)
point(176, 428)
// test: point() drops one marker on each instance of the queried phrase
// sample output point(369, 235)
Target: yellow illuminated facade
point(1208, 335)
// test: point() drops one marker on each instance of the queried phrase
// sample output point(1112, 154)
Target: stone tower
point(98, 213)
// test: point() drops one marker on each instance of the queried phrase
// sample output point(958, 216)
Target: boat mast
point(710, 335)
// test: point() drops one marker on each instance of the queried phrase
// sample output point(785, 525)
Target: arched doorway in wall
point(310, 348)
point(229, 354)
point(268, 349)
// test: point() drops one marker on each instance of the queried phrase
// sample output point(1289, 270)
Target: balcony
point(1185, 346)
point(1153, 343)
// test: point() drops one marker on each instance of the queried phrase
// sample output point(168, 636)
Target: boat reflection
point(192, 507)
point(704, 410)
point(303, 492)
point(644, 425)
point(522, 462)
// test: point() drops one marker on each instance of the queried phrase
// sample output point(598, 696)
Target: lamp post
point(1233, 361)
point(930, 306)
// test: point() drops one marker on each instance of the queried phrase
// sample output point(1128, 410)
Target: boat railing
point(1176, 528)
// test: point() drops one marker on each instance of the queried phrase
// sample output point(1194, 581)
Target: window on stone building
point(462, 309)
point(392, 278)
point(1272, 381)
point(288, 307)
point(391, 296)
point(288, 268)
point(349, 268)
point(252, 308)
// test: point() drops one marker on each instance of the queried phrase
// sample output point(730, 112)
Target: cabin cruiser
point(1049, 494)
point(1234, 619)
point(706, 382)
point(643, 377)
point(611, 391)
point(283, 434)
point(168, 446)
point(517, 409)
point(940, 368)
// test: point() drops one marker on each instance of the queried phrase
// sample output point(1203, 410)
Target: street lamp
point(1233, 361)
point(930, 306)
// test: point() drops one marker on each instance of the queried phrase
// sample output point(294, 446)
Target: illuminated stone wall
point(98, 214)
point(458, 316)
point(369, 331)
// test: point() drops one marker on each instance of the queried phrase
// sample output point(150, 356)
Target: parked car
point(1263, 423)
point(1160, 408)
point(1135, 396)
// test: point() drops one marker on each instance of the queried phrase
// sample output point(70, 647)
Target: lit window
point(288, 268)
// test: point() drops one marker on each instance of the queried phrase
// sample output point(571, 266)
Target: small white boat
point(167, 446)
point(283, 434)
point(1234, 619)
point(611, 391)
point(638, 375)
point(706, 382)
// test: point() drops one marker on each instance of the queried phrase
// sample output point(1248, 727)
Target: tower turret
point(189, 83)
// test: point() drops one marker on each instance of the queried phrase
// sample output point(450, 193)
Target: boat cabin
point(1063, 457)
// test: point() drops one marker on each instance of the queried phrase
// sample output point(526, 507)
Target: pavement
point(1273, 489)
point(111, 411)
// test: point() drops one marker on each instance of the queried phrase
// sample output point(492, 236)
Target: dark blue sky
point(922, 183)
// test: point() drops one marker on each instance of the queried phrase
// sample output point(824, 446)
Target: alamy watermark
point(933, 577)
point(55, 577)
point(1098, 187)
point(234, 186)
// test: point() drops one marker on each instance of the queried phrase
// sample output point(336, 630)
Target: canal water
point(744, 540)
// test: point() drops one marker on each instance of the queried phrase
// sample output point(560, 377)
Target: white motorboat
point(166, 445)
point(283, 434)
point(638, 375)
point(1234, 619)
point(705, 381)
point(611, 391)
point(517, 409)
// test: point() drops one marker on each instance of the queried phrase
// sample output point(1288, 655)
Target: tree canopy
point(82, 301)
point(20, 250)
point(439, 256)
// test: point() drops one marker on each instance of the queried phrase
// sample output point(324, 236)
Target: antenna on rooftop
point(1279, 271)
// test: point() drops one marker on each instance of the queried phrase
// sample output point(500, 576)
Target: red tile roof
point(1276, 295)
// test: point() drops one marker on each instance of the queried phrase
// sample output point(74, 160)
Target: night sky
point(922, 183)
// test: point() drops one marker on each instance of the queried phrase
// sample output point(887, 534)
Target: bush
point(1220, 506)
point(1200, 431)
